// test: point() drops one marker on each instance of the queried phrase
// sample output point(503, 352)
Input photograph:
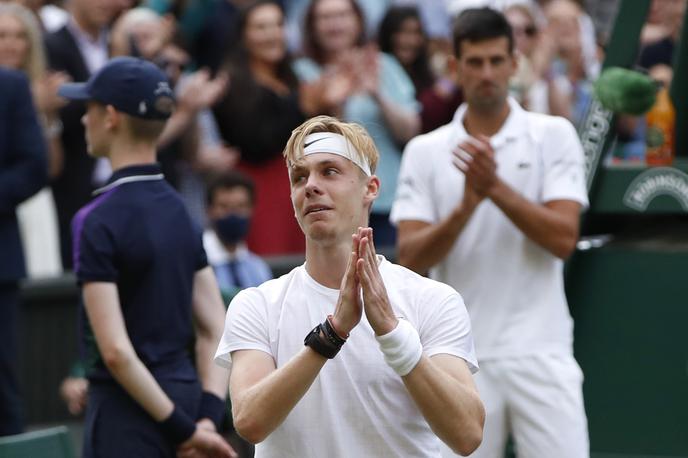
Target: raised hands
point(376, 302)
point(362, 279)
point(348, 311)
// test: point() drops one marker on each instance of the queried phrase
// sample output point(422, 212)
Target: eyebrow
point(298, 167)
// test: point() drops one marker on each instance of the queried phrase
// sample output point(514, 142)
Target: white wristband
point(401, 347)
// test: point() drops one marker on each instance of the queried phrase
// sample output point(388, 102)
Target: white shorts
point(539, 401)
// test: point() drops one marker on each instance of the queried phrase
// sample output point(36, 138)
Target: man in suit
point(23, 172)
point(79, 49)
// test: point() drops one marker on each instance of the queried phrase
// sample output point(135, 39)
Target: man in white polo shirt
point(490, 204)
point(385, 366)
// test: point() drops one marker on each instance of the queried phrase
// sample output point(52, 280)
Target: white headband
point(329, 142)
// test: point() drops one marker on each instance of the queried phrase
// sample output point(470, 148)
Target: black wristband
point(178, 427)
point(331, 334)
point(321, 344)
point(213, 408)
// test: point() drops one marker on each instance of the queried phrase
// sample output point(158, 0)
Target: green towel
point(625, 91)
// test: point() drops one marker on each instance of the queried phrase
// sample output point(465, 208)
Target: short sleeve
point(564, 164)
point(246, 327)
point(448, 331)
point(201, 257)
point(94, 251)
point(414, 199)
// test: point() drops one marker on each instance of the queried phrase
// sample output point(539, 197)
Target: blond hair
point(354, 133)
point(34, 64)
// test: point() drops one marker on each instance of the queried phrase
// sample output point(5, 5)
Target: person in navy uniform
point(147, 289)
point(23, 172)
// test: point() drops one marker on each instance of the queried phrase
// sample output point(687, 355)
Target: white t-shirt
point(357, 406)
point(513, 288)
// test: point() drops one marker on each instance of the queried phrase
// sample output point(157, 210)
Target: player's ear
point(372, 188)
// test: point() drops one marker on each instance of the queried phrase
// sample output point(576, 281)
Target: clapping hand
point(476, 159)
point(348, 311)
point(376, 302)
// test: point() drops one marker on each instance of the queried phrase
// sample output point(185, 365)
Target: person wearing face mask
point(230, 199)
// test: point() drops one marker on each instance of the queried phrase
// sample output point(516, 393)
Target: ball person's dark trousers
point(11, 419)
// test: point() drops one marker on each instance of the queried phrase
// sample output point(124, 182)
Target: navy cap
point(131, 85)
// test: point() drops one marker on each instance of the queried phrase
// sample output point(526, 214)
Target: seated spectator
point(256, 116)
point(359, 84)
point(230, 207)
point(21, 48)
point(401, 35)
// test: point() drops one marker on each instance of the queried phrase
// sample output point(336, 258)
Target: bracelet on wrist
point(324, 340)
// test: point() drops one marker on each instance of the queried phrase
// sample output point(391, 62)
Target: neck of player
point(485, 122)
point(326, 262)
point(124, 154)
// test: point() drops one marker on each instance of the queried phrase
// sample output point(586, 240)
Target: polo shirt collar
point(132, 173)
point(514, 126)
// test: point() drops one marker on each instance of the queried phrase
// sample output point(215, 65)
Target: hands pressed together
point(362, 288)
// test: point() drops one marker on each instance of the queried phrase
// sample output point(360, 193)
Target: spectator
point(490, 204)
point(660, 50)
point(21, 48)
point(23, 171)
point(402, 36)
point(533, 84)
point(359, 84)
point(574, 57)
point(78, 49)
point(148, 294)
point(256, 116)
point(230, 207)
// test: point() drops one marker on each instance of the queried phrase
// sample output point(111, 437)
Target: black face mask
point(232, 228)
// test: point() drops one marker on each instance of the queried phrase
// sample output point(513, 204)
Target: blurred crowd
point(247, 72)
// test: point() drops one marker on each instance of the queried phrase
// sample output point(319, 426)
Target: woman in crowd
point(401, 35)
point(359, 84)
point(21, 48)
point(257, 115)
point(534, 85)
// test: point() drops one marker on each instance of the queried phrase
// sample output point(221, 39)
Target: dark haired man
point(490, 204)
point(230, 199)
point(145, 283)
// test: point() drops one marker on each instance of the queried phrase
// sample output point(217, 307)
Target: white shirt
point(357, 406)
point(513, 287)
point(94, 52)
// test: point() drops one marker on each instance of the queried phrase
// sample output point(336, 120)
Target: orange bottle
point(661, 122)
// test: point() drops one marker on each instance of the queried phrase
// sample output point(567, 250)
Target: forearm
point(402, 122)
point(139, 383)
point(540, 224)
point(422, 249)
point(453, 410)
point(213, 377)
point(263, 407)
